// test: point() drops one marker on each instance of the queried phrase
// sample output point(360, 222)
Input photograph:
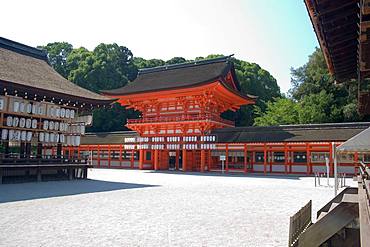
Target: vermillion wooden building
point(181, 128)
point(40, 113)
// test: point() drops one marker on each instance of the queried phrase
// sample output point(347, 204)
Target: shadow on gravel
point(230, 174)
point(29, 191)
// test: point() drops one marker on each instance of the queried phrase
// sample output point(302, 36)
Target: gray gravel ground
point(143, 208)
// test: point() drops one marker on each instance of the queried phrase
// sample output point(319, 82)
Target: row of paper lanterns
point(42, 109)
point(47, 125)
point(17, 135)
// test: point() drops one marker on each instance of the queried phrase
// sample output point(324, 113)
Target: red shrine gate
point(180, 105)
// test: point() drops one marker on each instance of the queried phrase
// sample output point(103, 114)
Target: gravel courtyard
point(143, 208)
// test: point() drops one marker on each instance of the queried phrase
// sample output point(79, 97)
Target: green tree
point(281, 111)
point(57, 56)
point(176, 60)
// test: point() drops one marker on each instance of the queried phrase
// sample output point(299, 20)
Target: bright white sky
point(275, 34)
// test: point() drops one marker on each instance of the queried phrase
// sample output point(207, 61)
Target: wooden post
point(184, 160)
point(308, 154)
point(109, 158)
point(1, 175)
point(177, 160)
point(132, 159)
point(209, 160)
point(264, 158)
point(120, 154)
point(227, 158)
point(356, 162)
point(285, 158)
point(156, 160)
point(98, 153)
point(245, 158)
point(202, 160)
point(141, 159)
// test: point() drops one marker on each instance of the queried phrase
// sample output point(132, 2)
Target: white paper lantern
point(24, 135)
point(46, 125)
point(29, 108)
point(51, 125)
point(34, 123)
point(57, 112)
point(4, 134)
point(52, 111)
point(17, 135)
point(78, 141)
point(16, 106)
point(47, 136)
point(41, 136)
point(68, 113)
point(9, 121)
point(52, 137)
point(15, 122)
point(29, 136)
point(40, 110)
point(28, 123)
point(22, 122)
point(22, 107)
point(56, 138)
point(62, 112)
point(62, 138)
point(56, 125)
point(72, 114)
point(11, 135)
point(34, 109)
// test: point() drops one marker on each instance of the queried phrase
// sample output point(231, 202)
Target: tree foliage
point(315, 96)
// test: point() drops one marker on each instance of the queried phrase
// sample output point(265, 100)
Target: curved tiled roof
point(28, 67)
point(180, 76)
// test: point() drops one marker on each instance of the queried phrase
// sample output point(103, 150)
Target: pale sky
point(276, 34)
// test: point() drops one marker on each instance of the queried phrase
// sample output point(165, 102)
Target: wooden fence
point(299, 223)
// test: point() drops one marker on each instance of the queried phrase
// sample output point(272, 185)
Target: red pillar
point(132, 159)
point(227, 158)
point(184, 160)
point(98, 153)
point(245, 158)
point(156, 160)
point(109, 158)
point(177, 160)
point(264, 158)
point(286, 158)
point(202, 160)
point(120, 155)
point(141, 159)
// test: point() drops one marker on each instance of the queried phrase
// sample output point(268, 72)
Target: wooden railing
point(181, 118)
point(364, 203)
point(44, 160)
point(299, 223)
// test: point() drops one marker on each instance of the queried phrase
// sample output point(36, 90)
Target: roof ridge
point(23, 49)
point(184, 65)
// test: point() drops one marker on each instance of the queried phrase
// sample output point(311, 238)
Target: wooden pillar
point(109, 158)
point(177, 160)
point(356, 162)
point(132, 160)
point(245, 158)
point(28, 149)
point(141, 159)
point(264, 158)
point(39, 150)
point(98, 153)
point(156, 160)
point(308, 156)
point(331, 161)
point(120, 154)
point(1, 175)
point(209, 160)
point(202, 160)
point(23, 149)
point(184, 160)
point(227, 158)
point(59, 150)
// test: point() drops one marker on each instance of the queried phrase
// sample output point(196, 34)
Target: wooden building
point(181, 128)
point(41, 112)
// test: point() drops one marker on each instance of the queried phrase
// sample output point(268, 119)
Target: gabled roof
point(107, 138)
point(290, 133)
point(180, 76)
point(22, 66)
point(358, 143)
